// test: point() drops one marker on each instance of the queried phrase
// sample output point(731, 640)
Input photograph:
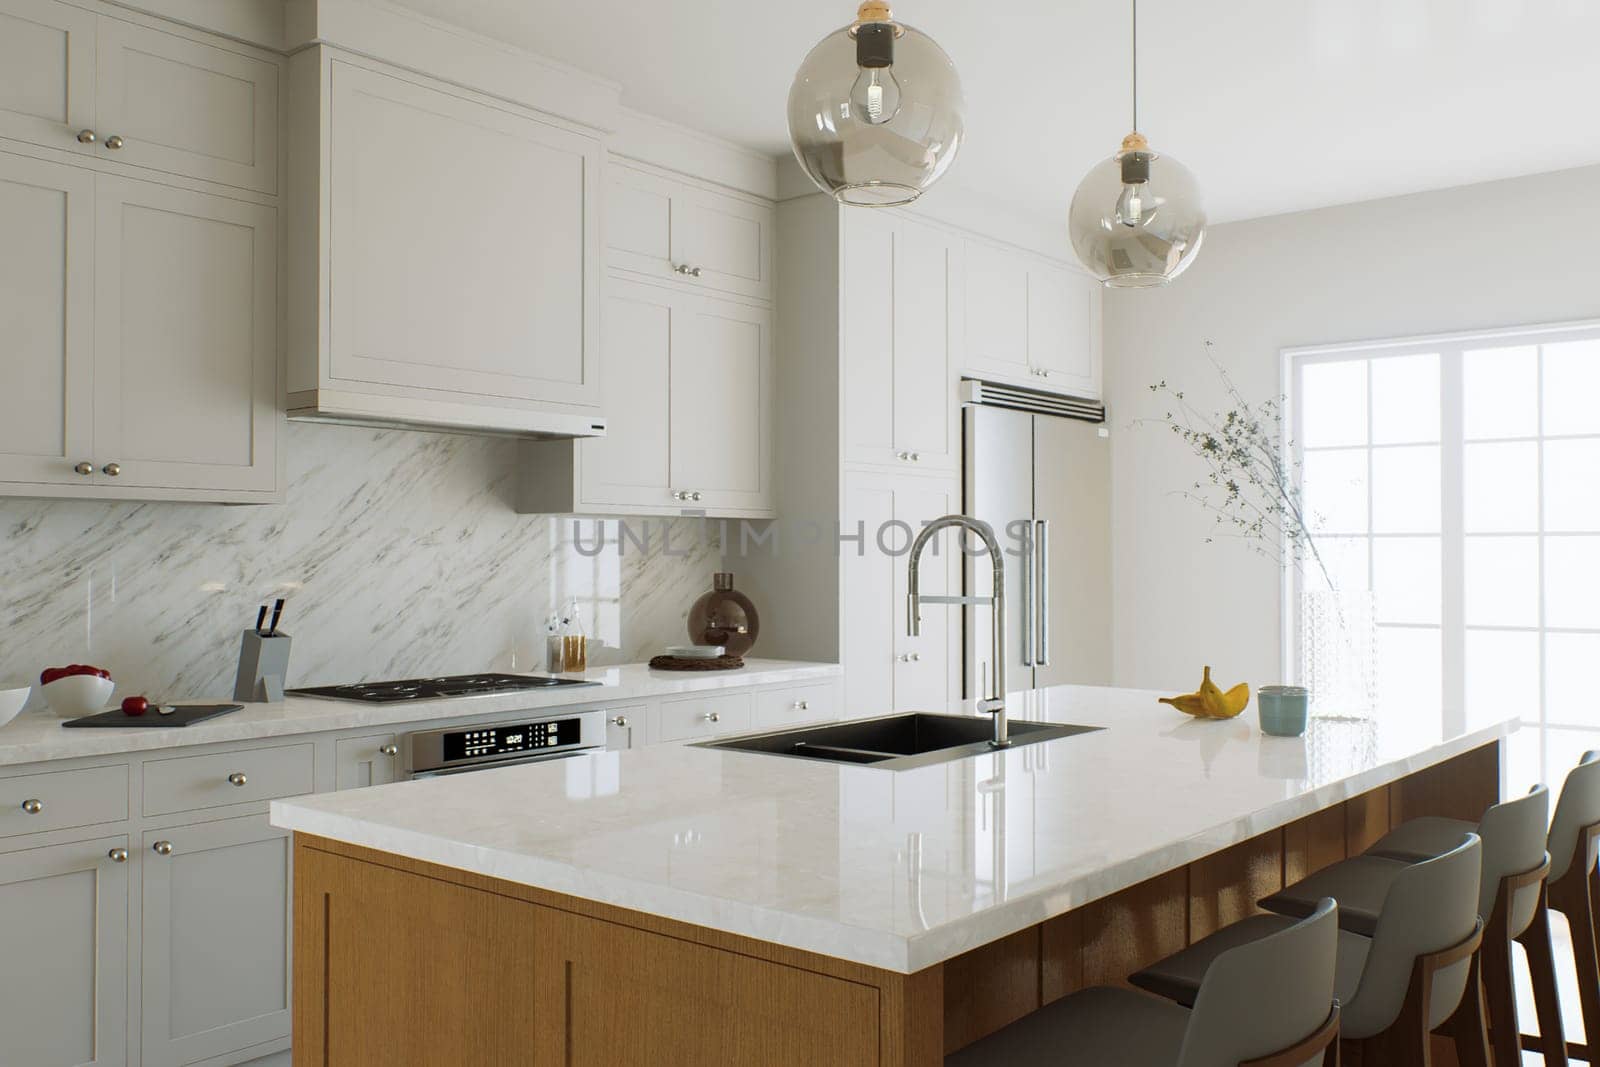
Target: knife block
point(263, 667)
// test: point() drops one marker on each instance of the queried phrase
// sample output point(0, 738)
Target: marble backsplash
point(399, 552)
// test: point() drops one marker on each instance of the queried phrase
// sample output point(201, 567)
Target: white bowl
point(11, 701)
point(79, 694)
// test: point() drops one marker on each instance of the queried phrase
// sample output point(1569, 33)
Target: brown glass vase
point(724, 617)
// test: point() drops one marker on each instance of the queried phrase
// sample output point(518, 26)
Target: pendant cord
point(1136, 66)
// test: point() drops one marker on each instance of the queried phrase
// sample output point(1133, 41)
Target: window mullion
point(1452, 545)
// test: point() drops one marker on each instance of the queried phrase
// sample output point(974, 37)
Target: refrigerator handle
point(1041, 540)
point(1027, 596)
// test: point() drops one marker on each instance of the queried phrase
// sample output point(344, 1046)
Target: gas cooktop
point(454, 685)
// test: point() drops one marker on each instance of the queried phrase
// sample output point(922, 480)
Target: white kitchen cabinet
point(1030, 321)
point(64, 937)
point(216, 912)
point(448, 250)
point(896, 337)
point(886, 670)
point(47, 57)
point(996, 297)
point(1064, 330)
point(777, 709)
point(182, 106)
point(670, 228)
point(689, 388)
point(627, 726)
point(186, 350)
point(362, 761)
point(701, 717)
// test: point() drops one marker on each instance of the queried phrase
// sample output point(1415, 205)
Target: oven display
point(509, 740)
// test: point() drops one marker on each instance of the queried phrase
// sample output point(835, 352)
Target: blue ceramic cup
point(1283, 709)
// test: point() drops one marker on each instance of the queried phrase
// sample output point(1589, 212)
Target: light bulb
point(875, 97)
point(1135, 206)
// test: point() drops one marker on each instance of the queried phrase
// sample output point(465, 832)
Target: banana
point(1210, 702)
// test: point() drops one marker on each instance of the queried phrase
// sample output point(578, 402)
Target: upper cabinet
point(898, 372)
point(1030, 321)
point(130, 94)
point(444, 256)
point(664, 227)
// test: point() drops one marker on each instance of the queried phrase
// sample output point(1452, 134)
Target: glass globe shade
point(876, 137)
point(1142, 232)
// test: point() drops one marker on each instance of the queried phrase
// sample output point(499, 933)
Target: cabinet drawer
point(695, 717)
point(33, 803)
point(226, 778)
point(777, 708)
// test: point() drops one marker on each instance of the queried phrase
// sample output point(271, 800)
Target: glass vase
point(1339, 653)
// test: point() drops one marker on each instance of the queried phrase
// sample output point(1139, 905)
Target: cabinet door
point(726, 238)
point(1064, 329)
point(46, 73)
point(869, 613)
point(924, 374)
point(364, 761)
point(464, 247)
point(46, 319)
point(867, 293)
point(186, 312)
point(625, 726)
point(185, 107)
point(925, 667)
point(64, 937)
point(996, 311)
point(631, 464)
point(721, 403)
point(216, 936)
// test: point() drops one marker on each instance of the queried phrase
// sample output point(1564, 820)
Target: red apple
point(135, 706)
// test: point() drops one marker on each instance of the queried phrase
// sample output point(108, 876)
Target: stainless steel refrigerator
point(1038, 470)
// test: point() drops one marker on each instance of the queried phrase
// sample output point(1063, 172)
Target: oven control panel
point(511, 739)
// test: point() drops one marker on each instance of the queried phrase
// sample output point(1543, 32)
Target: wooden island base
point(402, 962)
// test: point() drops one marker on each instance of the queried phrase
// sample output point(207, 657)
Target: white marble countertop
point(894, 869)
point(38, 736)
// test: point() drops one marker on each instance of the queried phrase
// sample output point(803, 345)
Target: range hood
point(406, 413)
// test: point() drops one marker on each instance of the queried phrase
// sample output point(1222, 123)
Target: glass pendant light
point(1136, 219)
point(875, 112)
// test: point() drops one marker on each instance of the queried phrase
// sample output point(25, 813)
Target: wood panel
point(1462, 788)
point(1313, 843)
point(1134, 928)
point(1060, 956)
point(1366, 820)
point(1224, 888)
point(990, 987)
point(913, 1017)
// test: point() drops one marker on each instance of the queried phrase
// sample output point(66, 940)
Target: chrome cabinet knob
point(237, 778)
point(916, 457)
point(712, 716)
point(113, 142)
point(800, 705)
point(84, 469)
point(33, 807)
point(619, 720)
point(902, 456)
point(162, 848)
point(686, 270)
point(389, 750)
point(87, 137)
point(694, 496)
point(118, 855)
point(113, 469)
point(677, 494)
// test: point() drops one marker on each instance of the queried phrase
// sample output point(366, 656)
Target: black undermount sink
point(896, 742)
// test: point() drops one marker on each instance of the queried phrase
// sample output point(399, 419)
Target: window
point(1458, 480)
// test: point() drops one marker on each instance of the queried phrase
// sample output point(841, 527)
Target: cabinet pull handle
point(237, 778)
point(113, 469)
point(113, 142)
point(86, 468)
point(162, 848)
point(389, 750)
point(87, 137)
point(619, 720)
point(118, 855)
point(32, 807)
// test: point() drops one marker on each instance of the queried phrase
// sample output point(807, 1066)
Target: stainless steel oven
point(503, 742)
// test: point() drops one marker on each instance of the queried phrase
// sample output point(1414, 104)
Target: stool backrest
point(1577, 808)
point(1430, 906)
point(1265, 996)
point(1513, 843)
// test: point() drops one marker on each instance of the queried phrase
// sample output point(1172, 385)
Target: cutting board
point(186, 714)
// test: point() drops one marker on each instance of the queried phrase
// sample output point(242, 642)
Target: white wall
point(1523, 251)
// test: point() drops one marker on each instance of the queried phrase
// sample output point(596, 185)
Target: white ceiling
point(1276, 105)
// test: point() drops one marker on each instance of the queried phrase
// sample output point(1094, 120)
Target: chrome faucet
point(995, 703)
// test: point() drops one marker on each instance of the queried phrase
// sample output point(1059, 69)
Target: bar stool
point(1266, 1004)
point(1417, 974)
point(1511, 901)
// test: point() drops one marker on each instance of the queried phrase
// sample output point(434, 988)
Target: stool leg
point(1465, 1027)
point(1546, 1001)
point(1500, 995)
point(1581, 920)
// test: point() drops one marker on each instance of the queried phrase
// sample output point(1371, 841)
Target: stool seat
point(1178, 976)
point(1100, 1025)
point(1359, 884)
point(1422, 839)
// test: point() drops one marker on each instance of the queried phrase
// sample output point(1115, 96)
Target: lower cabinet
point(64, 943)
point(363, 761)
point(626, 726)
point(216, 926)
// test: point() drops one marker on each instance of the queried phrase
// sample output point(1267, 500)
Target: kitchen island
point(696, 905)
